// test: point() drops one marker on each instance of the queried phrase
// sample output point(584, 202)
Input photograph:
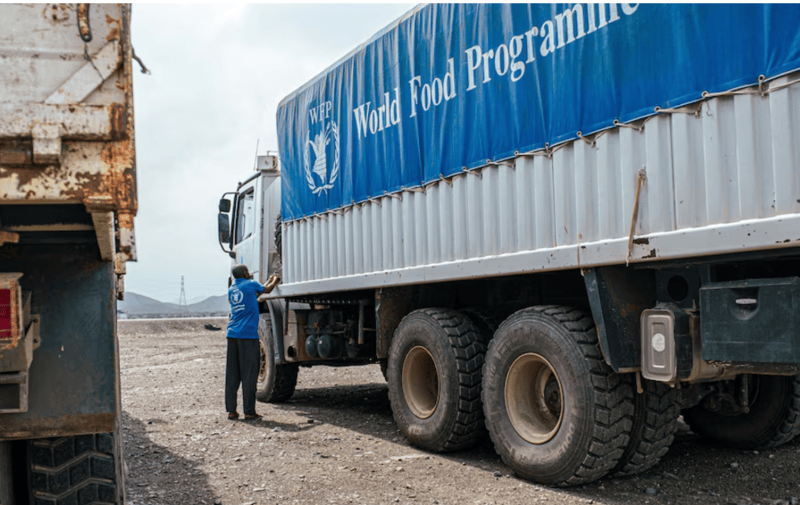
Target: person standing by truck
point(243, 357)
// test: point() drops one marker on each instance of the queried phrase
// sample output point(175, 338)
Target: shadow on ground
point(150, 465)
point(693, 471)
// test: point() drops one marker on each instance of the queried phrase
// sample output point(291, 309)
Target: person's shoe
point(252, 417)
point(232, 416)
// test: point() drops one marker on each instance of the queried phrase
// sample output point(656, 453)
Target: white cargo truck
point(564, 225)
point(67, 207)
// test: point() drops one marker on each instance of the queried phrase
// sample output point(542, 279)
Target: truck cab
point(245, 232)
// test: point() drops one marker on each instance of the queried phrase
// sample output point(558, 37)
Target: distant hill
point(136, 305)
point(211, 304)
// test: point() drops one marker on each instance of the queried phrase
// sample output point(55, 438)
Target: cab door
point(247, 229)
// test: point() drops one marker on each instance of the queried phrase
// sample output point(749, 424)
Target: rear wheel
point(275, 383)
point(484, 320)
point(80, 470)
point(556, 412)
point(655, 418)
point(772, 419)
point(434, 376)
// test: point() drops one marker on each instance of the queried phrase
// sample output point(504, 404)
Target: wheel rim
point(262, 369)
point(534, 399)
point(420, 382)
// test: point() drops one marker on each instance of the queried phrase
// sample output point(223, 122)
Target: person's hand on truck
point(273, 281)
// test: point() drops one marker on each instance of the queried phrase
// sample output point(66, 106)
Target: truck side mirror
point(224, 205)
point(224, 227)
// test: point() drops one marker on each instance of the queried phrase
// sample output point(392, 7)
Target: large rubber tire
point(556, 412)
point(276, 383)
point(484, 320)
point(82, 470)
point(655, 419)
point(773, 419)
point(434, 376)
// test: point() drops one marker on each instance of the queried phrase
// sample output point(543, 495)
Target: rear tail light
point(5, 314)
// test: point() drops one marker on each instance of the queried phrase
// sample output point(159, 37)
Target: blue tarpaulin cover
point(451, 86)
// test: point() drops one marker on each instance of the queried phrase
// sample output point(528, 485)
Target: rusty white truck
point(562, 225)
point(67, 207)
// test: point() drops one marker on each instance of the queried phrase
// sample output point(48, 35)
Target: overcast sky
point(218, 74)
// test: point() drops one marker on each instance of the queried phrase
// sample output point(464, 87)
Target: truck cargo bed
point(720, 176)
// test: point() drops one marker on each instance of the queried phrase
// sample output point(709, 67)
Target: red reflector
point(5, 313)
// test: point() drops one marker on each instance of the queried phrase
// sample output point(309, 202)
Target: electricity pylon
point(182, 299)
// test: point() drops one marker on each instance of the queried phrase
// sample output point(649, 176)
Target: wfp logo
point(322, 149)
point(236, 296)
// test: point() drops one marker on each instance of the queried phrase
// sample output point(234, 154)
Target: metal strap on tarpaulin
point(455, 86)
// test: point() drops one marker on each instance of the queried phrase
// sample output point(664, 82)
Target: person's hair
point(240, 272)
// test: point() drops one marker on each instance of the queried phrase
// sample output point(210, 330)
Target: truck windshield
point(245, 216)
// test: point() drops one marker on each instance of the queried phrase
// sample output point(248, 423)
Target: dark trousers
point(244, 359)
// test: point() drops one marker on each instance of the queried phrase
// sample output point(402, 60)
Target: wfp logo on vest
point(236, 296)
point(322, 149)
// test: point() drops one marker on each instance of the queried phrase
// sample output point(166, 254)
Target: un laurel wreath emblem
point(319, 145)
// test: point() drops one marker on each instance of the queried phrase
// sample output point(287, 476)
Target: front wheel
point(434, 377)
point(556, 412)
point(275, 383)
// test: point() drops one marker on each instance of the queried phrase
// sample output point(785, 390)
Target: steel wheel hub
point(534, 399)
point(420, 382)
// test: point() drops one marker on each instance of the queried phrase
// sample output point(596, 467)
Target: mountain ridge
point(136, 305)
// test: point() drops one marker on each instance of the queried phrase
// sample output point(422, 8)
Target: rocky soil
point(335, 442)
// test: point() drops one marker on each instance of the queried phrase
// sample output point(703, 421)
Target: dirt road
point(335, 442)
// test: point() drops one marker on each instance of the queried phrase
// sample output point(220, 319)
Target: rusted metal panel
point(67, 138)
point(76, 122)
point(71, 424)
point(96, 174)
point(89, 77)
point(104, 227)
point(42, 48)
point(66, 112)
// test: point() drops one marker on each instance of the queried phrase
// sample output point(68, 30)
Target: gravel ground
point(335, 441)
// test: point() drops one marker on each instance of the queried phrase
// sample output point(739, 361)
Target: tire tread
point(790, 425)
point(613, 394)
point(655, 420)
point(79, 470)
point(469, 349)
